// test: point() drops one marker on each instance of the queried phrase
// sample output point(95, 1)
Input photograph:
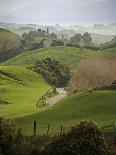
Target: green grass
point(99, 106)
point(69, 56)
point(22, 89)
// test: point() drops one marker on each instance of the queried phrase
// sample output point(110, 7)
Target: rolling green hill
point(20, 90)
point(68, 55)
point(98, 106)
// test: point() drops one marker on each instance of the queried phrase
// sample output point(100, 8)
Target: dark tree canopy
point(53, 71)
point(57, 43)
point(76, 39)
point(85, 138)
point(87, 39)
point(53, 35)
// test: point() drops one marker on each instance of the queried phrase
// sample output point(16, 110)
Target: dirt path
point(57, 98)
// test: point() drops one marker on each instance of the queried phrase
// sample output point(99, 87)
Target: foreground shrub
point(91, 74)
point(7, 136)
point(85, 138)
point(12, 142)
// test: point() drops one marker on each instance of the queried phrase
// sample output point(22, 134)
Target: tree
point(57, 43)
point(41, 33)
point(85, 138)
point(47, 31)
point(76, 39)
point(87, 39)
point(53, 71)
point(53, 35)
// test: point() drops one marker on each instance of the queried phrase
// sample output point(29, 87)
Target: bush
point(7, 136)
point(12, 143)
point(85, 138)
point(92, 74)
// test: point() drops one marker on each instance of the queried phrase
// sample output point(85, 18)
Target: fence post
point(48, 129)
point(20, 132)
point(61, 129)
point(34, 127)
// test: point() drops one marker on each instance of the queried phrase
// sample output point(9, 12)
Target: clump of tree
point(53, 36)
point(87, 39)
point(93, 74)
point(57, 43)
point(78, 38)
point(85, 138)
point(54, 72)
point(35, 39)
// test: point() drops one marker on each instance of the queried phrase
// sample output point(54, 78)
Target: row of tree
point(38, 33)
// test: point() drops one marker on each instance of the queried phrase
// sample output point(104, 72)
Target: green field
point(21, 89)
point(98, 106)
point(67, 55)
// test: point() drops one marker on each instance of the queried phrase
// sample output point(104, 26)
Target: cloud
point(10, 6)
point(54, 11)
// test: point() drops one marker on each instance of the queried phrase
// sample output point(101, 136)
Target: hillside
point(98, 106)
point(20, 90)
point(68, 55)
point(100, 38)
point(8, 40)
point(9, 44)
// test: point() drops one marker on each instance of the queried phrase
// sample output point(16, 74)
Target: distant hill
point(100, 38)
point(110, 44)
point(9, 44)
point(23, 30)
point(70, 56)
point(8, 40)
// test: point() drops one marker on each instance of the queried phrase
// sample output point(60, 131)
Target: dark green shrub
point(7, 136)
point(85, 138)
point(12, 143)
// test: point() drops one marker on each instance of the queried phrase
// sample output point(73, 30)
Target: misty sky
point(58, 11)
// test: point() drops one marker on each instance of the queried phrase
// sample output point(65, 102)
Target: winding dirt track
point(57, 98)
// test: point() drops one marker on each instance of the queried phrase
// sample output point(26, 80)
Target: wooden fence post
point(48, 129)
point(61, 129)
point(34, 127)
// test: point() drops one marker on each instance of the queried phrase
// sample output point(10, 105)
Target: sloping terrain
point(69, 56)
point(8, 40)
point(98, 106)
point(20, 89)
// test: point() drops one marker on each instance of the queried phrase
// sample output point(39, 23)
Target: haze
point(81, 12)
